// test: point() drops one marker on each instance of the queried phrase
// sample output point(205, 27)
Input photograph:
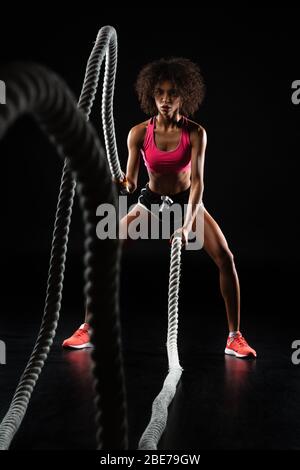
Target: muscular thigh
point(214, 241)
point(137, 211)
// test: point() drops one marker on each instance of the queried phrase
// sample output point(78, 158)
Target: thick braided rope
point(106, 45)
point(159, 416)
point(34, 90)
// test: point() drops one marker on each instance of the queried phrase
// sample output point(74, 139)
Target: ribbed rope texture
point(156, 426)
point(106, 45)
point(37, 91)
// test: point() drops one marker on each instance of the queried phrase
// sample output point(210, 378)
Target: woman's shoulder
point(138, 132)
point(196, 131)
point(141, 127)
point(194, 126)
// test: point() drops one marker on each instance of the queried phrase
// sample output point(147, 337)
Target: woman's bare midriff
point(172, 183)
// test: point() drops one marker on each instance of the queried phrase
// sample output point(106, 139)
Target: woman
point(173, 149)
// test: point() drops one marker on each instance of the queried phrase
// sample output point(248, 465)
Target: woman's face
point(166, 97)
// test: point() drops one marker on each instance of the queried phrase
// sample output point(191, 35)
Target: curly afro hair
point(183, 73)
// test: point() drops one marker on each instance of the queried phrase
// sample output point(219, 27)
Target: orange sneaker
point(80, 339)
point(238, 346)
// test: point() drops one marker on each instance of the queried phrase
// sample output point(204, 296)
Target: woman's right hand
point(122, 184)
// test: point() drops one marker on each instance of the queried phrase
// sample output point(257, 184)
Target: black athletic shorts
point(148, 198)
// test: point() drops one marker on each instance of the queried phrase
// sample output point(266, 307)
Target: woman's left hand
point(183, 233)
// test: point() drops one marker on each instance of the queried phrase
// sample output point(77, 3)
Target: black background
point(249, 59)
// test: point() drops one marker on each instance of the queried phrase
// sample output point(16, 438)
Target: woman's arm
point(128, 181)
point(198, 140)
point(134, 143)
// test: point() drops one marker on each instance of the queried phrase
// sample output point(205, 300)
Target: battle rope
point(111, 418)
point(157, 424)
point(32, 89)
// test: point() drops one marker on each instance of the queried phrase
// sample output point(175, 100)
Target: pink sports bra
point(167, 161)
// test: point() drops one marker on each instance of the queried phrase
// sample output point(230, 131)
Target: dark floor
point(221, 402)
